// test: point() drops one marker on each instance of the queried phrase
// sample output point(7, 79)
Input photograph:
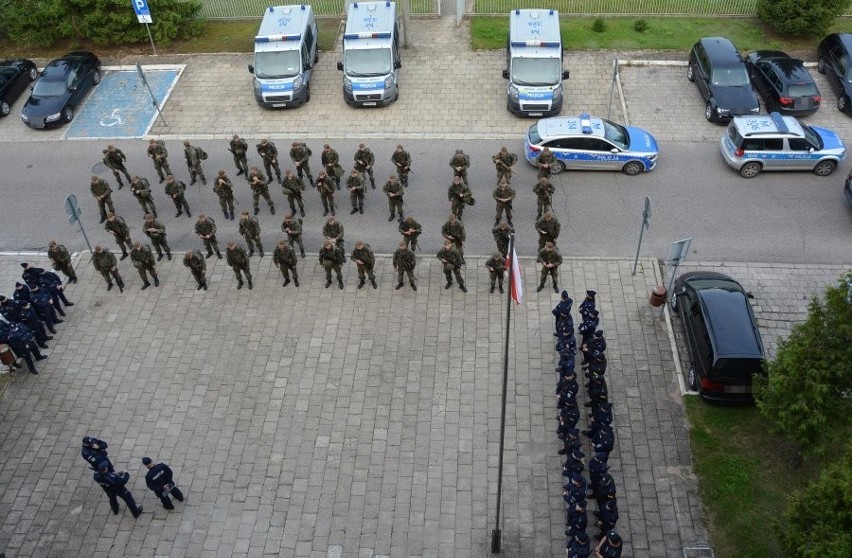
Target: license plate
point(279, 105)
point(536, 114)
point(370, 104)
point(737, 389)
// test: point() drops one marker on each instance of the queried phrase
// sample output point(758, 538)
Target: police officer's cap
point(582, 537)
point(564, 295)
point(147, 461)
point(25, 265)
point(103, 466)
point(599, 333)
point(87, 441)
point(614, 537)
point(591, 294)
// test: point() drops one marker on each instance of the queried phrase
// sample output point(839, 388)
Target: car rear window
point(735, 136)
point(534, 137)
point(802, 90)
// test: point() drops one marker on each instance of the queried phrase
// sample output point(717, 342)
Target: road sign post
point(646, 222)
point(677, 253)
point(150, 91)
point(73, 210)
point(143, 14)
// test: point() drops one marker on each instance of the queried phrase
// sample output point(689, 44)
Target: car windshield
point(277, 64)
point(534, 136)
point(813, 138)
point(730, 77)
point(49, 88)
point(802, 90)
point(616, 134)
point(6, 74)
point(367, 62)
point(536, 71)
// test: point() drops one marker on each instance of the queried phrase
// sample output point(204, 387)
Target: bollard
point(658, 296)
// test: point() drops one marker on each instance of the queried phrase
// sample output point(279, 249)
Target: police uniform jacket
point(159, 478)
point(112, 482)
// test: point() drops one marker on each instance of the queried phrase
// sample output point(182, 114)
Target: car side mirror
point(340, 66)
point(307, 66)
point(811, 150)
point(565, 74)
point(397, 65)
point(505, 74)
point(613, 150)
point(251, 69)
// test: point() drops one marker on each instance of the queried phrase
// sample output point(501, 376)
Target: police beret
point(147, 461)
point(87, 441)
point(614, 537)
point(24, 265)
point(599, 333)
point(18, 285)
point(564, 295)
point(590, 294)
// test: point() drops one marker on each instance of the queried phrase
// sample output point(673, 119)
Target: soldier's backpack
point(162, 145)
point(201, 153)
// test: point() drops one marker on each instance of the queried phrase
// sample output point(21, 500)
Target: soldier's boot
point(120, 184)
point(239, 284)
point(361, 206)
point(327, 283)
point(203, 180)
point(555, 287)
point(250, 286)
point(413, 286)
point(204, 285)
point(251, 252)
point(292, 209)
point(188, 214)
point(361, 282)
point(295, 280)
point(373, 283)
point(256, 210)
point(372, 183)
point(225, 211)
point(159, 256)
point(124, 255)
point(209, 254)
point(232, 215)
point(156, 279)
point(332, 211)
point(272, 209)
point(103, 217)
point(492, 288)
point(301, 210)
point(240, 171)
point(337, 181)
point(401, 215)
point(354, 210)
point(462, 287)
point(218, 254)
point(325, 209)
point(169, 255)
point(501, 287)
point(449, 284)
point(145, 285)
point(391, 217)
point(109, 288)
point(398, 286)
point(540, 287)
point(279, 178)
point(200, 285)
point(193, 181)
point(269, 178)
point(340, 282)
point(180, 212)
point(154, 211)
point(260, 250)
point(286, 282)
point(162, 179)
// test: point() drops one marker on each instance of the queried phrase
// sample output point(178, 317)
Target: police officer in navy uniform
point(23, 313)
point(52, 283)
point(588, 303)
point(576, 519)
point(114, 484)
point(607, 517)
point(562, 314)
point(22, 341)
point(160, 480)
point(43, 306)
point(94, 452)
point(610, 546)
point(578, 546)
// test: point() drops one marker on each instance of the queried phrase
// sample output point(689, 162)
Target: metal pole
point(639, 246)
point(82, 230)
point(151, 38)
point(612, 86)
point(495, 534)
point(406, 23)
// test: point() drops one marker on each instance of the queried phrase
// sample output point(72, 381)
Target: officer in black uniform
point(43, 306)
point(578, 546)
point(607, 516)
point(562, 313)
point(610, 546)
point(576, 519)
point(94, 452)
point(160, 480)
point(588, 303)
point(52, 283)
point(603, 442)
point(114, 485)
point(23, 313)
point(22, 341)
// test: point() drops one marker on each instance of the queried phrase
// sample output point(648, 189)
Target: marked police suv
point(590, 143)
point(752, 144)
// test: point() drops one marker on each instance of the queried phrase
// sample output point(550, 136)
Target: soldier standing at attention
point(114, 160)
point(364, 160)
point(363, 257)
point(194, 156)
point(402, 160)
point(239, 262)
point(329, 258)
point(259, 187)
point(223, 188)
point(141, 189)
point(143, 261)
point(156, 231)
point(548, 229)
point(356, 192)
point(394, 191)
point(543, 191)
point(501, 233)
point(160, 480)
point(238, 148)
point(496, 265)
point(105, 263)
point(250, 229)
point(333, 230)
point(301, 155)
point(160, 155)
point(453, 230)
point(459, 195)
point(504, 161)
point(114, 485)
point(326, 191)
point(503, 195)
point(550, 260)
point(205, 229)
point(293, 229)
point(269, 154)
point(103, 194)
point(545, 160)
point(331, 162)
point(194, 261)
point(116, 226)
point(176, 190)
point(460, 163)
point(404, 262)
point(452, 262)
point(61, 260)
point(285, 258)
point(410, 230)
point(292, 187)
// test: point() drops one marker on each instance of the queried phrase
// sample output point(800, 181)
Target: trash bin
point(658, 296)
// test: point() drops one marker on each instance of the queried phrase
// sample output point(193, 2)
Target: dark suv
point(721, 336)
point(834, 61)
point(784, 83)
point(718, 70)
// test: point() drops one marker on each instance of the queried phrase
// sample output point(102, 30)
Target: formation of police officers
point(159, 479)
point(327, 182)
point(600, 484)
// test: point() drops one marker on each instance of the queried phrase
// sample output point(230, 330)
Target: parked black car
point(15, 77)
point(716, 67)
point(833, 60)
point(783, 82)
point(721, 336)
point(59, 90)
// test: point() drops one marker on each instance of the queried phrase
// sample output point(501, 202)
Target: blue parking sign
point(143, 12)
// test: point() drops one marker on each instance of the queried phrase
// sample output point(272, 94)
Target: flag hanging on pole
point(515, 280)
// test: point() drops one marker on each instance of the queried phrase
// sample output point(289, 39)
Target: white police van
point(534, 63)
point(285, 50)
point(371, 56)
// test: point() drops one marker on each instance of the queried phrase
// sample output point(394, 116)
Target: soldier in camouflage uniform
point(160, 155)
point(545, 161)
point(331, 163)
point(116, 226)
point(61, 260)
point(356, 192)
point(238, 148)
point(460, 162)
point(293, 229)
point(156, 231)
point(194, 261)
point(394, 191)
point(259, 187)
point(205, 229)
point(452, 262)
point(141, 189)
point(107, 266)
point(404, 262)
point(364, 161)
point(453, 230)
point(224, 189)
point(365, 260)
point(496, 265)
point(326, 191)
point(143, 261)
point(333, 230)
point(504, 161)
point(301, 155)
point(103, 194)
point(329, 258)
point(548, 229)
point(501, 236)
point(503, 196)
point(459, 195)
point(250, 229)
point(543, 191)
point(269, 154)
point(114, 160)
point(550, 260)
point(239, 262)
point(410, 230)
point(176, 190)
point(402, 161)
point(193, 156)
point(285, 258)
point(292, 187)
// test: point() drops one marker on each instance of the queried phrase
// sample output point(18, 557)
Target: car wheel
point(557, 167)
point(690, 72)
point(692, 379)
point(5, 108)
point(843, 103)
point(750, 170)
point(824, 168)
point(708, 112)
point(97, 77)
point(821, 65)
point(673, 300)
point(633, 168)
point(68, 114)
point(33, 74)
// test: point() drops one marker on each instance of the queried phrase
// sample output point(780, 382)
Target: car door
point(702, 77)
point(766, 82)
point(836, 68)
point(568, 150)
point(802, 155)
point(601, 156)
point(687, 304)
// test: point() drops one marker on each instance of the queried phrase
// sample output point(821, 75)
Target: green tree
point(806, 392)
point(804, 18)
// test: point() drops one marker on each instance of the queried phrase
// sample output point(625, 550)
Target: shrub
point(640, 25)
point(598, 26)
point(804, 18)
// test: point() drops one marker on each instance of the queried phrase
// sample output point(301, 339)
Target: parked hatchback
point(783, 82)
point(834, 61)
point(60, 89)
point(722, 337)
point(718, 70)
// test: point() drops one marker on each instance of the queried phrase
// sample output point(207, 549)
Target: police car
point(590, 143)
point(752, 144)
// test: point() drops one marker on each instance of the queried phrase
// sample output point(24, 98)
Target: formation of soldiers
point(328, 182)
point(600, 484)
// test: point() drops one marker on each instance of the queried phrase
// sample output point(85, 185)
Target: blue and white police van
point(285, 51)
point(371, 55)
point(534, 63)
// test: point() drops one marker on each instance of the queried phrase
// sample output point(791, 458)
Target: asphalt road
point(776, 217)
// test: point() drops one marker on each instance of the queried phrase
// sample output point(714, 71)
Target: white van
point(371, 55)
point(534, 63)
point(285, 50)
